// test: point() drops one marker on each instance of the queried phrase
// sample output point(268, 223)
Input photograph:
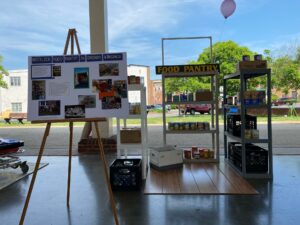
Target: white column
point(98, 26)
point(99, 43)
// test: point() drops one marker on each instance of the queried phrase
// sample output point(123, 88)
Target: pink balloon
point(228, 8)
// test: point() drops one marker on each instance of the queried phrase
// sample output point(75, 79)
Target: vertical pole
point(67, 43)
point(38, 161)
point(163, 94)
point(270, 150)
point(98, 26)
point(211, 54)
point(104, 163)
point(99, 43)
point(70, 162)
point(243, 120)
point(118, 138)
point(77, 43)
point(225, 115)
point(72, 43)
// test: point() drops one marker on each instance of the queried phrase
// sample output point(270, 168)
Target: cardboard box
point(204, 95)
point(131, 135)
point(259, 64)
point(167, 157)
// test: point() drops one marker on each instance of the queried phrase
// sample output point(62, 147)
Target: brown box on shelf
point(258, 64)
point(131, 135)
point(204, 95)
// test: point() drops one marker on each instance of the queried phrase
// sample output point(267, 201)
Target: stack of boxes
point(200, 95)
point(254, 97)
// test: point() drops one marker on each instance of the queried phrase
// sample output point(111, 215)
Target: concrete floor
point(277, 204)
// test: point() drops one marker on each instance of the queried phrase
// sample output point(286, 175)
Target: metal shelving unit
point(243, 76)
point(214, 75)
point(214, 126)
point(142, 147)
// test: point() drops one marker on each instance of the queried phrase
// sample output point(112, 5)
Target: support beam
point(99, 43)
point(98, 26)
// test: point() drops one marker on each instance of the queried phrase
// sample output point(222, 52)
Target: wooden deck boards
point(197, 178)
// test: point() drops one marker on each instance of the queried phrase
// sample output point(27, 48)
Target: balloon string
point(222, 30)
point(220, 36)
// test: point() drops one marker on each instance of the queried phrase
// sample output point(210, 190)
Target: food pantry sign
point(77, 86)
point(188, 69)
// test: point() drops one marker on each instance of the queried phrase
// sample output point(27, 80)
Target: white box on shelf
point(165, 157)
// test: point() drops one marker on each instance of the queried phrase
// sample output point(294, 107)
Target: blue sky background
point(35, 27)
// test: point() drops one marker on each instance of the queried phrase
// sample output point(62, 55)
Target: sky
point(37, 27)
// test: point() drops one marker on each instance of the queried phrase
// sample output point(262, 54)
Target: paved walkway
point(286, 138)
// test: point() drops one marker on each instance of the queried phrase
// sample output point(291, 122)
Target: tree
point(2, 73)
point(286, 74)
point(227, 54)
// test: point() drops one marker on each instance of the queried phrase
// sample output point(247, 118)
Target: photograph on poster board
point(74, 111)
point(81, 77)
point(109, 69)
point(41, 71)
point(89, 101)
point(62, 80)
point(49, 108)
point(38, 90)
point(104, 88)
point(61, 89)
point(120, 86)
point(56, 71)
point(113, 102)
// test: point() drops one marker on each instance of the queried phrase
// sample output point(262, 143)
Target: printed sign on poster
point(77, 86)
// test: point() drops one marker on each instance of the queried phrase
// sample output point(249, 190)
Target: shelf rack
point(214, 126)
point(143, 146)
point(244, 75)
point(214, 74)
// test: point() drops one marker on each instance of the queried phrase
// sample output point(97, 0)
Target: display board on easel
point(77, 86)
point(72, 76)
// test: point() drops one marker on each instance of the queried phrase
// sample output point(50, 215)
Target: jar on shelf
point(187, 153)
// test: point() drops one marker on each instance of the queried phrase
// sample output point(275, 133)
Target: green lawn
point(156, 121)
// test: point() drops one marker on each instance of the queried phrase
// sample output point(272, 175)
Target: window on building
point(16, 107)
point(15, 81)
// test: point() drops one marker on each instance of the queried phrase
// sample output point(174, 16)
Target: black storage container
point(126, 174)
point(256, 157)
point(234, 123)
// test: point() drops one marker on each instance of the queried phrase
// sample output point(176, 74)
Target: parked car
point(192, 109)
point(284, 101)
point(159, 107)
point(149, 108)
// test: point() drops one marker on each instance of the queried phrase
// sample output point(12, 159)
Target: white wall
point(14, 93)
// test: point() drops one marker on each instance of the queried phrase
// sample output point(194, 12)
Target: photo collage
point(103, 87)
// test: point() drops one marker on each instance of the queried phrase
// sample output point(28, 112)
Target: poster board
point(77, 86)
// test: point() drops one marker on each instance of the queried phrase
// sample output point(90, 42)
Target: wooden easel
point(71, 35)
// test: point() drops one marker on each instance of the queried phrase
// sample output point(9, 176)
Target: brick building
point(155, 92)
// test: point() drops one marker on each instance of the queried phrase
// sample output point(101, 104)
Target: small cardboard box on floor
point(162, 158)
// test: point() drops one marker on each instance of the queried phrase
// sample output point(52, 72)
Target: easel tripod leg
point(38, 161)
point(70, 162)
point(102, 156)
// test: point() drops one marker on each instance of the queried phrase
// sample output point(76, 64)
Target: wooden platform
point(198, 178)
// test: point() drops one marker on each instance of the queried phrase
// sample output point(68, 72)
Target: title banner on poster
point(77, 86)
point(187, 69)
